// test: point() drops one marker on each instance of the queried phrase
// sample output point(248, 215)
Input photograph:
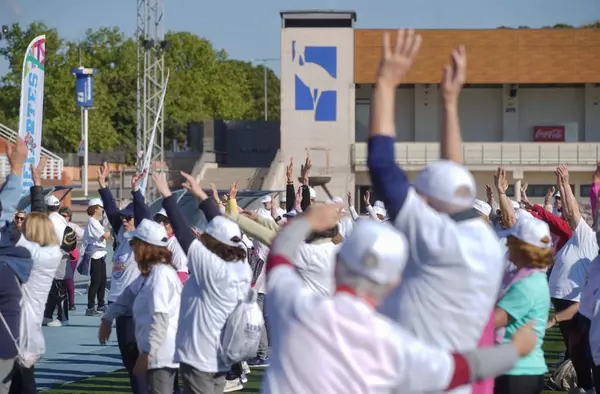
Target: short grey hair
point(361, 285)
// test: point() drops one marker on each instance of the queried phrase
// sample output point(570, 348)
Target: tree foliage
point(594, 25)
point(204, 84)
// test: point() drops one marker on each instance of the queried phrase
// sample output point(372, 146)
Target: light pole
point(265, 87)
point(3, 32)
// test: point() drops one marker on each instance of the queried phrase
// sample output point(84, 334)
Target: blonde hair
point(528, 255)
point(38, 228)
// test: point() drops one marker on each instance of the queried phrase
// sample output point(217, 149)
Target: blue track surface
point(73, 352)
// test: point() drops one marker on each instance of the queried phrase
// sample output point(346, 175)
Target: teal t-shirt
point(527, 300)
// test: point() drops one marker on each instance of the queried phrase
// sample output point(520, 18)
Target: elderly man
point(340, 343)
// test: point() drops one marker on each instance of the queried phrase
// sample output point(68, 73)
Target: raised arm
point(452, 82)
point(110, 206)
point(184, 234)
point(306, 184)
point(290, 193)
point(507, 212)
point(140, 209)
point(11, 190)
point(37, 191)
point(570, 207)
point(389, 181)
point(489, 193)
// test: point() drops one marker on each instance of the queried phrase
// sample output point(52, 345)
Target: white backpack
point(242, 331)
point(30, 345)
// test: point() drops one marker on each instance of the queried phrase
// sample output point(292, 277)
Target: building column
point(510, 113)
point(518, 178)
point(427, 123)
point(592, 112)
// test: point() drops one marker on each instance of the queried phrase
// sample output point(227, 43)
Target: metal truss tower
point(151, 47)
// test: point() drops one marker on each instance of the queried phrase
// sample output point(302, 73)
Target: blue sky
point(250, 29)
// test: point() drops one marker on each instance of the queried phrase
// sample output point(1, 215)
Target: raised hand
point(397, 60)
point(367, 198)
point(306, 169)
point(500, 181)
point(192, 186)
point(136, 180)
point(213, 190)
point(455, 75)
point(489, 193)
point(38, 171)
point(562, 173)
point(524, 188)
point(549, 194)
point(161, 184)
point(289, 171)
point(103, 173)
point(233, 190)
point(17, 154)
point(349, 199)
point(252, 215)
point(324, 216)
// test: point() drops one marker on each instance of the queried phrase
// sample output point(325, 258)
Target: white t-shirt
point(209, 296)
point(346, 225)
point(35, 291)
point(571, 263)
point(316, 265)
point(60, 224)
point(263, 252)
point(339, 344)
point(125, 269)
point(451, 281)
point(94, 230)
point(180, 260)
point(160, 293)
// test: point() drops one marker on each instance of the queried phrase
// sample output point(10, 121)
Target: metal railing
point(493, 154)
point(54, 165)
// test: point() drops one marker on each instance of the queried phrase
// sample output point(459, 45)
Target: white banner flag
point(32, 106)
point(150, 148)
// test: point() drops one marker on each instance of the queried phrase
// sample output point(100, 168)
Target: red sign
point(549, 133)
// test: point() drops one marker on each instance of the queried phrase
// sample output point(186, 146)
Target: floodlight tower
point(151, 47)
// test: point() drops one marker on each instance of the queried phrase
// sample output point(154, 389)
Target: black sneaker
point(92, 312)
point(101, 308)
point(259, 362)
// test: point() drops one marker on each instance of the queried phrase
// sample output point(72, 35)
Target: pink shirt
point(487, 340)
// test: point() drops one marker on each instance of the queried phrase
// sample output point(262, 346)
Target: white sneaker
point(46, 321)
point(245, 368)
point(233, 385)
point(54, 323)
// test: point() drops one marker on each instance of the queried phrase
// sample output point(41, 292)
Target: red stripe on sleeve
point(461, 372)
point(276, 260)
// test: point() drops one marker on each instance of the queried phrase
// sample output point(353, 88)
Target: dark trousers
point(263, 347)
point(23, 380)
point(97, 282)
point(579, 350)
point(71, 283)
point(564, 326)
point(519, 384)
point(58, 299)
point(129, 353)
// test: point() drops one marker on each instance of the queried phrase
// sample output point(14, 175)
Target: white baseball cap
point(150, 232)
point(380, 211)
point(162, 212)
point(376, 251)
point(313, 192)
point(557, 195)
point(51, 201)
point(379, 204)
point(266, 199)
point(224, 230)
point(532, 231)
point(442, 179)
point(336, 200)
point(515, 204)
point(95, 201)
point(483, 207)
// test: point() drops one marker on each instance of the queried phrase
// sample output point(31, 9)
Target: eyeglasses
point(19, 218)
point(126, 218)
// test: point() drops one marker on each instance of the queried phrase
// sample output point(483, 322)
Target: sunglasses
point(19, 218)
point(126, 218)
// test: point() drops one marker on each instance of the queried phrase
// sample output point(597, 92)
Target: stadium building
point(532, 101)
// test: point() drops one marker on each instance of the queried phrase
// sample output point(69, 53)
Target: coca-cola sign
point(549, 133)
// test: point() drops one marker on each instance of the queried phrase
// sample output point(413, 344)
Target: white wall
point(327, 141)
point(480, 112)
point(405, 113)
point(538, 107)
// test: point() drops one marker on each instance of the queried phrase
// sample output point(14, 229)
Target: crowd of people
point(432, 291)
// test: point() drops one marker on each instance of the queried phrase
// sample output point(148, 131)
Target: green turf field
point(117, 382)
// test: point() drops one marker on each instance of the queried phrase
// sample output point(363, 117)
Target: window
point(584, 190)
point(361, 119)
point(358, 200)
